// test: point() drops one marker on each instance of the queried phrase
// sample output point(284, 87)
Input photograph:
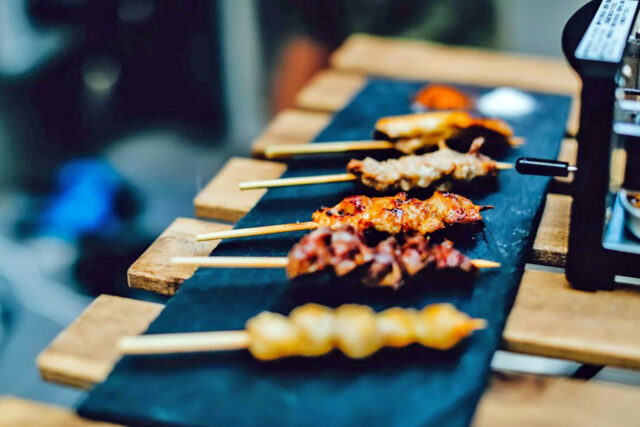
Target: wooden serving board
point(85, 352)
point(511, 399)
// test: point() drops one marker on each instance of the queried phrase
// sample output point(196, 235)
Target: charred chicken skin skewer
point(345, 252)
point(393, 215)
point(314, 330)
point(388, 264)
point(416, 132)
point(440, 169)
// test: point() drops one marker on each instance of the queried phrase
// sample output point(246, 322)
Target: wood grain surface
point(84, 353)
point(291, 127)
point(549, 318)
point(154, 271)
point(16, 412)
point(412, 59)
point(552, 238)
point(221, 199)
point(330, 90)
point(532, 401)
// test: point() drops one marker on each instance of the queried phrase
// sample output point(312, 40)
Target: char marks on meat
point(388, 264)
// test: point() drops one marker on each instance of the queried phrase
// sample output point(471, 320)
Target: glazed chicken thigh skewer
point(393, 215)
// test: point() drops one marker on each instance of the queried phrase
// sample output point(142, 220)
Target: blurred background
point(114, 114)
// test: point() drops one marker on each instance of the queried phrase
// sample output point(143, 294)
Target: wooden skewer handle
point(270, 262)
point(233, 261)
point(256, 231)
point(304, 180)
point(504, 166)
point(184, 343)
point(276, 151)
point(485, 263)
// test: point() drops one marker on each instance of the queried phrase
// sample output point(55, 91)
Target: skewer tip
point(478, 324)
point(486, 208)
point(504, 166)
point(516, 141)
point(485, 263)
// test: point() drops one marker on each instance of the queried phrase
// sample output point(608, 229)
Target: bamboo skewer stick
point(256, 231)
point(276, 151)
point(271, 229)
point(319, 179)
point(233, 261)
point(271, 262)
point(288, 150)
point(304, 180)
point(184, 342)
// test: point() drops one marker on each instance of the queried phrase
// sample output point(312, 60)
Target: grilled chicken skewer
point(313, 330)
point(345, 252)
point(413, 133)
point(441, 169)
point(393, 215)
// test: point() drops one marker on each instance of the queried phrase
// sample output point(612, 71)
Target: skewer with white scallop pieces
point(440, 169)
point(392, 215)
point(412, 133)
point(345, 252)
point(313, 330)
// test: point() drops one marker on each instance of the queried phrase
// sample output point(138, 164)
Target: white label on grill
point(606, 36)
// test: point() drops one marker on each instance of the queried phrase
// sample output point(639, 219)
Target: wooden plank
point(511, 399)
point(419, 60)
point(154, 272)
point(528, 401)
point(330, 91)
point(552, 239)
point(85, 352)
point(24, 413)
point(21, 412)
point(221, 200)
point(550, 318)
point(291, 127)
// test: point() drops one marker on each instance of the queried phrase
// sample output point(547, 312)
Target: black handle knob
point(543, 167)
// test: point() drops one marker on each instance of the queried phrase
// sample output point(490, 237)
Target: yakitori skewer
point(345, 251)
point(393, 215)
point(314, 330)
point(440, 169)
point(412, 133)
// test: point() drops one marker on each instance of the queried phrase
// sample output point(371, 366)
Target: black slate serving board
point(413, 386)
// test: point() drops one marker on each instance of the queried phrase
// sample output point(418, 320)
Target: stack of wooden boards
point(549, 318)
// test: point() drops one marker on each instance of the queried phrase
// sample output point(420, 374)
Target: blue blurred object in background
point(84, 200)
